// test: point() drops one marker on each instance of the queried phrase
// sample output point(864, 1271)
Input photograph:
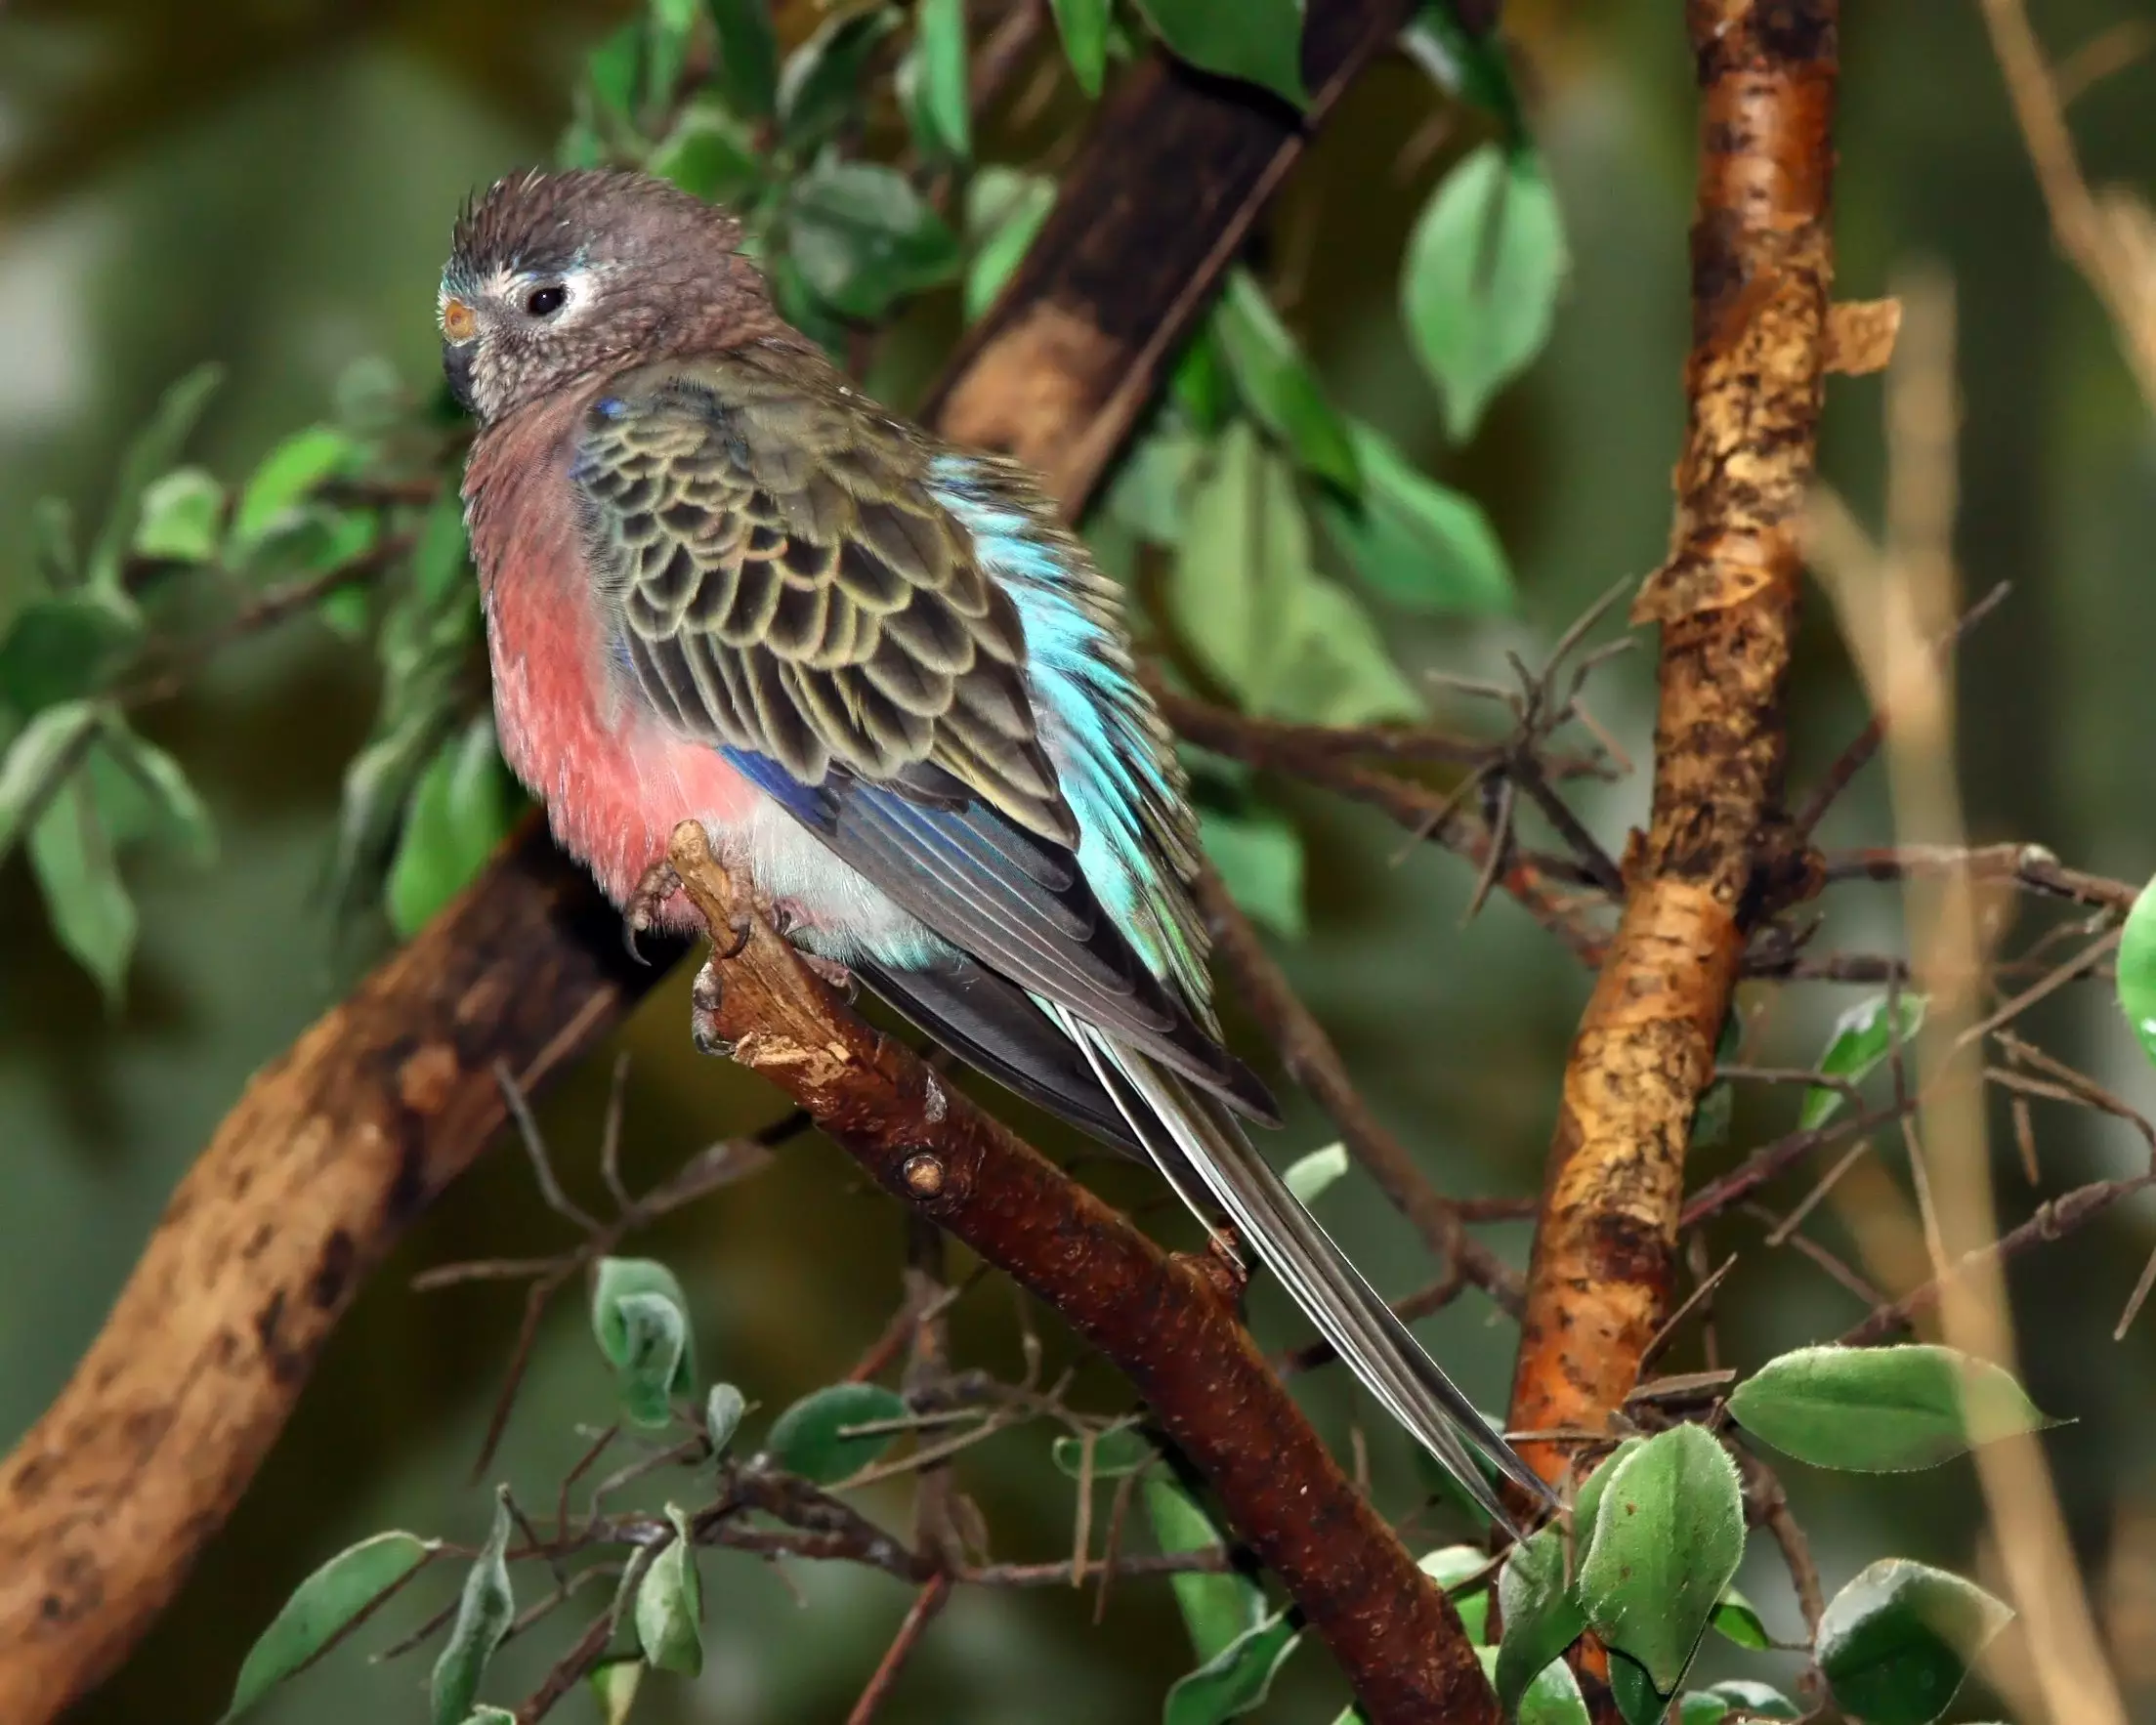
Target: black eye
point(544, 301)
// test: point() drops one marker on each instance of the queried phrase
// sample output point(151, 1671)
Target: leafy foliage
point(1896, 1642)
point(1881, 1409)
point(815, 1438)
point(484, 1611)
point(324, 1607)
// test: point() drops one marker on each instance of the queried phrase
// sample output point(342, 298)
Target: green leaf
point(1083, 24)
point(175, 807)
point(381, 776)
point(53, 551)
point(369, 396)
point(1337, 670)
point(1896, 1642)
point(942, 104)
point(314, 538)
point(1763, 1699)
point(322, 1607)
point(1483, 268)
point(1219, 1610)
point(441, 561)
point(669, 1604)
point(1553, 1698)
point(1881, 1409)
point(462, 808)
point(286, 477)
point(1697, 1708)
point(154, 450)
point(746, 72)
point(46, 754)
point(1310, 1175)
point(865, 239)
point(1462, 64)
point(484, 1614)
point(709, 156)
point(1417, 543)
point(1586, 1506)
point(489, 1714)
point(92, 914)
point(815, 1437)
point(1236, 1680)
point(1199, 385)
point(67, 646)
point(1638, 1701)
point(1150, 491)
point(181, 515)
point(722, 1415)
point(2137, 968)
point(1283, 392)
point(615, 68)
point(1260, 857)
point(1540, 1615)
point(1860, 1040)
point(816, 88)
point(1005, 210)
point(1116, 1451)
point(1236, 593)
point(641, 1318)
point(613, 1686)
point(1736, 1619)
point(1452, 1567)
point(1260, 40)
point(666, 45)
point(1667, 1539)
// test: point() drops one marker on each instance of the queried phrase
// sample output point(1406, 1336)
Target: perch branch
point(1158, 1317)
point(1712, 860)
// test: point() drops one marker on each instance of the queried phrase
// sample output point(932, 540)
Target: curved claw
point(640, 913)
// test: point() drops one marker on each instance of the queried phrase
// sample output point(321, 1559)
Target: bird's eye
point(544, 301)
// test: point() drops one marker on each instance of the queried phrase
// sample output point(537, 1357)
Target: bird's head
point(553, 278)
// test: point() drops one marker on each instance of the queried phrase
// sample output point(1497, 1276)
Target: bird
point(722, 584)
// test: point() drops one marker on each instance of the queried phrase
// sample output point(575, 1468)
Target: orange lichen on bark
point(1713, 857)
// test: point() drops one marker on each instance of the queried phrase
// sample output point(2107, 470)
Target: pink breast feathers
point(615, 783)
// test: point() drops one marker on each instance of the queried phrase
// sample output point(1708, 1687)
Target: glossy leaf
point(746, 72)
point(1084, 26)
point(489, 1714)
point(613, 1687)
point(814, 1438)
point(1667, 1539)
point(66, 647)
point(708, 156)
point(1284, 393)
point(1540, 1615)
point(641, 1318)
point(1861, 1038)
point(182, 514)
point(817, 87)
point(1260, 857)
point(722, 1415)
point(1308, 1176)
point(175, 806)
point(92, 914)
point(1258, 40)
point(1896, 1642)
point(1464, 1571)
point(1416, 542)
point(285, 478)
point(483, 1612)
point(942, 104)
point(1464, 64)
point(155, 450)
point(461, 810)
point(1638, 1701)
point(49, 750)
point(669, 1605)
point(1235, 590)
point(865, 239)
point(1236, 1680)
point(322, 1607)
point(1881, 1409)
point(1553, 1698)
point(1736, 1619)
point(1760, 1698)
point(1004, 212)
point(2136, 967)
point(1483, 268)
point(1219, 1610)
point(1117, 1452)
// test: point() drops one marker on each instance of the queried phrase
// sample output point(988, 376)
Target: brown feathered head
point(554, 278)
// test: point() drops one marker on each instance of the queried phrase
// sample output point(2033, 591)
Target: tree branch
point(1158, 1317)
point(1726, 601)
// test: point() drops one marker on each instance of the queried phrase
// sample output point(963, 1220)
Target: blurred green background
point(271, 183)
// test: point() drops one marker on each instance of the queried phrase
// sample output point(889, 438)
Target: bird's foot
point(833, 975)
point(1221, 1264)
point(704, 997)
point(642, 913)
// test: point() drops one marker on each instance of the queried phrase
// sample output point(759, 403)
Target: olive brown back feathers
point(558, 277)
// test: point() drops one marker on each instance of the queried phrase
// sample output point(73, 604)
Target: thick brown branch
point(106, 1501)
point(1159, 1318)
point(1726, 601)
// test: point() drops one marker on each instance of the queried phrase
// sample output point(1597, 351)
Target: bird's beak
point(456, 366)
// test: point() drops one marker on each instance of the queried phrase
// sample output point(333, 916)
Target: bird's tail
point(1217, 1171)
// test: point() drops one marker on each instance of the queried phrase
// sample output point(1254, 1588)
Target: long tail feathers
point(1215, 1170)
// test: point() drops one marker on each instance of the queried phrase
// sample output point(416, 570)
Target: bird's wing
point(785, 584)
